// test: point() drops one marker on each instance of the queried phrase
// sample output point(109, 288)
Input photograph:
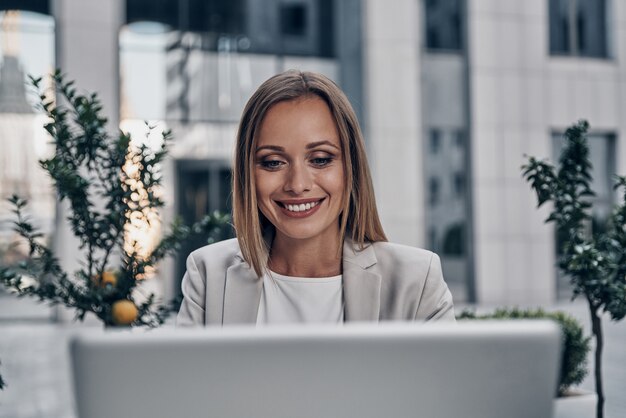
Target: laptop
point(471, 369)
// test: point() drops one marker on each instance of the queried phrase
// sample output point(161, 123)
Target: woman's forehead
point(302, 120)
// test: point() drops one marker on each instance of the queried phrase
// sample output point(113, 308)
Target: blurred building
point(22, 144)
point(451, 94)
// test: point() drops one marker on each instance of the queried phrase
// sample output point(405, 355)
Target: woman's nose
point(298, 180)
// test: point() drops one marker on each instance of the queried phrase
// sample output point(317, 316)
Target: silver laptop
point(476, 369)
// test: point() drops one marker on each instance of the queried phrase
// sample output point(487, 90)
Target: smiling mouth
point(302, 207)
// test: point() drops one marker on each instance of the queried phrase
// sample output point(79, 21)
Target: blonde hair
point(359, 216)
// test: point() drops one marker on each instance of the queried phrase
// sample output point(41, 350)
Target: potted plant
point(110, 183)
point(594, 261)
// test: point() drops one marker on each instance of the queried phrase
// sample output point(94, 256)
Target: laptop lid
point(472, 369)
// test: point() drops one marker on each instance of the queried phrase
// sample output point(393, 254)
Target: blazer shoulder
point(402, 264)
point(223, 252)
point(413, 282)
point(399, 254)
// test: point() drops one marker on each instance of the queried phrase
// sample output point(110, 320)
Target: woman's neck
point(316, 257)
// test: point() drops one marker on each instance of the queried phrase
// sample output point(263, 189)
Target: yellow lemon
point(108, 280)
point(124, 312)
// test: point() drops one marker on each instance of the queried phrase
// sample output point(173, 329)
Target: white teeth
point(302, 207)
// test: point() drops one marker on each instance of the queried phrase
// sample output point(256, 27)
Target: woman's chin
point(305, 234)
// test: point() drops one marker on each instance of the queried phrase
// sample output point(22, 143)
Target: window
point(578, 28)
point(202, 186)
point(217, 17)
point(293, 19)
point(435, 140)
point(443, 25)
point(454, 240)
point(287, 27)
point(433, 188)
point(459, 185)
point(459, 139)
point(432, 239)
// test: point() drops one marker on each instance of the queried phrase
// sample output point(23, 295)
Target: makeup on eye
point(322, 161)
point(317, 158)
point(274, 164)
point(271, 164)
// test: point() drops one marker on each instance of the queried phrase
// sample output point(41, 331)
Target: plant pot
point(576, 404)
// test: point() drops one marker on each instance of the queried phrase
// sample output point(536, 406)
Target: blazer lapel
point(242, 294)
point(361, 286)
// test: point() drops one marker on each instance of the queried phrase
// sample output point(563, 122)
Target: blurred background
point(451, 95)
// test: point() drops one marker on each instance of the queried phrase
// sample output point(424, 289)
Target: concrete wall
point(391, 45)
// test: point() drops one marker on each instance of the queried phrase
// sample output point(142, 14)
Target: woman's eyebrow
point(271, 147)
point(318, 143)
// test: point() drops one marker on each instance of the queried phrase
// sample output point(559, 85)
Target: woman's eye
point(321, 161)
point(271, 164)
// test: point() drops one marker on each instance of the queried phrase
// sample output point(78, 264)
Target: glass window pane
point(433, 187)
point(293, 19)
point(459, 184)
point(203, 186)
point(443, 24)
point(435, 141)
point(591, 28)
point(559, 26)
point(303, 27)
point(578, 27)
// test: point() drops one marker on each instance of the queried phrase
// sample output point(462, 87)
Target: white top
point(286, 299)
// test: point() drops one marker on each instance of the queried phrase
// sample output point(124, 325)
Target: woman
point(310, 246)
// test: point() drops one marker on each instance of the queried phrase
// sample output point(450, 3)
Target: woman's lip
point(302, 213)
point(300, 201)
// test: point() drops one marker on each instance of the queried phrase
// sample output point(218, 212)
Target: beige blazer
point(384, 281)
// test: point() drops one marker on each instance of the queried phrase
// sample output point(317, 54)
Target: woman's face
point(299, 170)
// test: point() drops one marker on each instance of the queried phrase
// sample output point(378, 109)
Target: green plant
point(595, 263)
point(575, 345)
point(111, 184)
